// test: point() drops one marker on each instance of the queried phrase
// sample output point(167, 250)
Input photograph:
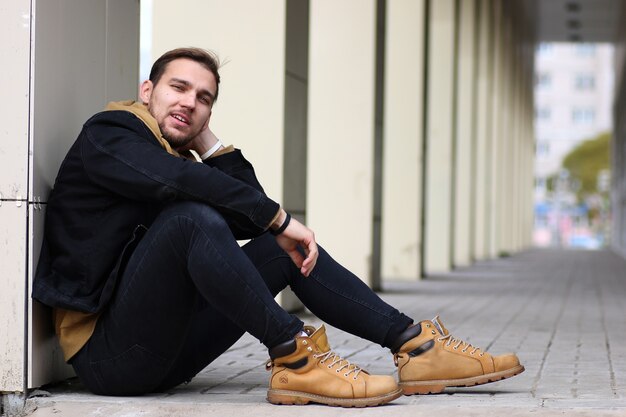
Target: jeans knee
point(197, 215)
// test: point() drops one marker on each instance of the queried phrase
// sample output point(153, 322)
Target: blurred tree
point(586, 161)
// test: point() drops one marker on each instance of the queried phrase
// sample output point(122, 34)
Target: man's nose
point(188, 100)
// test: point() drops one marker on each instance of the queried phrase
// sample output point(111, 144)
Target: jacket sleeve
point(121, 155)
point(234, 164)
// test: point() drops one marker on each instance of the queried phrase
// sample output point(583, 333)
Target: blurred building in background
point(574, 87)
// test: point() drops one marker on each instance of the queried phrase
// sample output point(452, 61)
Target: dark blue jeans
point(189, 292)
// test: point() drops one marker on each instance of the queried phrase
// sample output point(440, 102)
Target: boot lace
point(458, 343)
point(335, 359)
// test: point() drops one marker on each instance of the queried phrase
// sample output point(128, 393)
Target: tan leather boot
point(306, 370)
point(432, 359)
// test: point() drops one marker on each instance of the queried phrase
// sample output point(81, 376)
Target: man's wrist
point(216, 147)
point(278, 220)
point(282, 227)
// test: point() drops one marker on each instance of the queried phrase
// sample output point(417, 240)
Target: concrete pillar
point(249, 37)
point(464, 135)
point(15, 25)
point(618, 147)
point(439, 131)
point(403, 139)
point(516, 152)
point(504, 136)
point(495, 140)
point(341, 129)
point(528, 139)
point(483, 125)
point(262, 107)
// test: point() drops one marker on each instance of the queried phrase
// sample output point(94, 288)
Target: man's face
point(181, 100)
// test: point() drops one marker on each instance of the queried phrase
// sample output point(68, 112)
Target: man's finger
point(310, 261)
point(296, 257)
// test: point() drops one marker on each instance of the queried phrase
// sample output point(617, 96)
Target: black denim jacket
point(113, 182)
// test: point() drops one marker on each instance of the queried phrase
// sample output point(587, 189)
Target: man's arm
point(294, 234)
point(119, 157)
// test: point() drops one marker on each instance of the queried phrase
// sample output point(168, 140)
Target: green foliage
point(585, 162)
point(550, 183)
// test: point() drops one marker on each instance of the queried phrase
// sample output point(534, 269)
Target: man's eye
point(177, 87)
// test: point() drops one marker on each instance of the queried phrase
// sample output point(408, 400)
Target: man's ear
point(145, 91)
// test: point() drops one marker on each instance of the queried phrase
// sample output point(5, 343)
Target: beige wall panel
point(464, 134)
point(495, 140)
point(12, 295)
point(341, 129)
point(402, 140)
point(45, 358)
point(14, 83)
point(439, 130)
point(249, 37)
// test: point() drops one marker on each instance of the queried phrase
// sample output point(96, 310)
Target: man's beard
point(175, 141)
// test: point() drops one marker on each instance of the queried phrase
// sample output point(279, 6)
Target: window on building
point(585, 49)
point(540, 184)
point(543, 148)
point(543, 80)
point(583, 115)
point(543, 114)
point(545, 48)
point(585, 82)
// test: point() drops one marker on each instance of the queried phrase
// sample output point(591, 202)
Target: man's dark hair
point(205, 58)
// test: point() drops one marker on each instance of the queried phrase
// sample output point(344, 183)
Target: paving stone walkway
point(563, 312)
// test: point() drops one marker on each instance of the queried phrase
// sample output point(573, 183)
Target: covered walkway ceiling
point(576, 20)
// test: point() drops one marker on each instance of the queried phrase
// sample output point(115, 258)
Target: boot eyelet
point(354, 378)
point(455, 348)
point(482, 354)
point(310, 349)
point(304, 342)
point(329, 367)
point(433, 332)
point(337, 370)
point(428, 325)
point(346, 375)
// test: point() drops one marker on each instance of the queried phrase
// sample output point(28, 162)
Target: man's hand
point(201, 143)
point(298, 235)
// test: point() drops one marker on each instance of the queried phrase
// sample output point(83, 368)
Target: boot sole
point(276, 396)
point(437, 386)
